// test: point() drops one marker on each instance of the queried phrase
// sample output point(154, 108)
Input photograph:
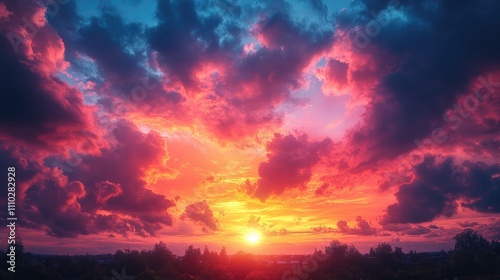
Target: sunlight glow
point(253, 237)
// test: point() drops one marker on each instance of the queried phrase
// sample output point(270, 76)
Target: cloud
point(61, 216)
point(200, 212)
point(491, 230)
point(235, 78)
point(334, 76)
point(280, 232)
point(193, 67)
point(36, 107)
point(111, 53)
point(468, 224)
point(322, 190)
point(323, 229)
point(418, 230)
point(4, 13)
point(289, 165)
point(427, 71)
point(429, 195)
point(105, 190)
point(113, 182)
point(104, 40)
point(410, 229)
point(255, 223)
point(362, 227)
point(437, 187)
point(483, 187)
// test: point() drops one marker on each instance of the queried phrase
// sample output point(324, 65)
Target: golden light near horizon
point(253, 237)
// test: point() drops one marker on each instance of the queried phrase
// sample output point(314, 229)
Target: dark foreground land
point(473, 258)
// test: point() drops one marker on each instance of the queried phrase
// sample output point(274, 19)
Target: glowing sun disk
point(253, 237)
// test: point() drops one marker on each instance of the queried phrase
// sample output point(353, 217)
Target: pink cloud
point(200, 212)
point(289, 165)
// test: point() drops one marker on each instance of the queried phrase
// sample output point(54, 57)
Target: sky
point(270, 126)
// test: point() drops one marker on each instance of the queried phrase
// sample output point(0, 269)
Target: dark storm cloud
point(289, 165)
point(120, 59)
point(29, 103)
point(66, 21)
point(437, 187)
point(37, 108)
point(106, 39)
point(429, 195)
point(184, 39)
point(441, 47)
point(483, 187)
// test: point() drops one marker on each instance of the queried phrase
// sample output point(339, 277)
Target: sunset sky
point(220, 122)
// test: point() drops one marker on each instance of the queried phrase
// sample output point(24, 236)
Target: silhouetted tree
point(133, 261)
point(191, 261)
point(382, 249)
point(336, 249)
point(161, 260)
point(210, 258)
point(471, 255)
point(470, 240)
point(223, 254)
point(474, 257)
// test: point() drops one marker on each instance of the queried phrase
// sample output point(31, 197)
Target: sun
point(253, 237)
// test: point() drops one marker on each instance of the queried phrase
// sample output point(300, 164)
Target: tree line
point(473, 257)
